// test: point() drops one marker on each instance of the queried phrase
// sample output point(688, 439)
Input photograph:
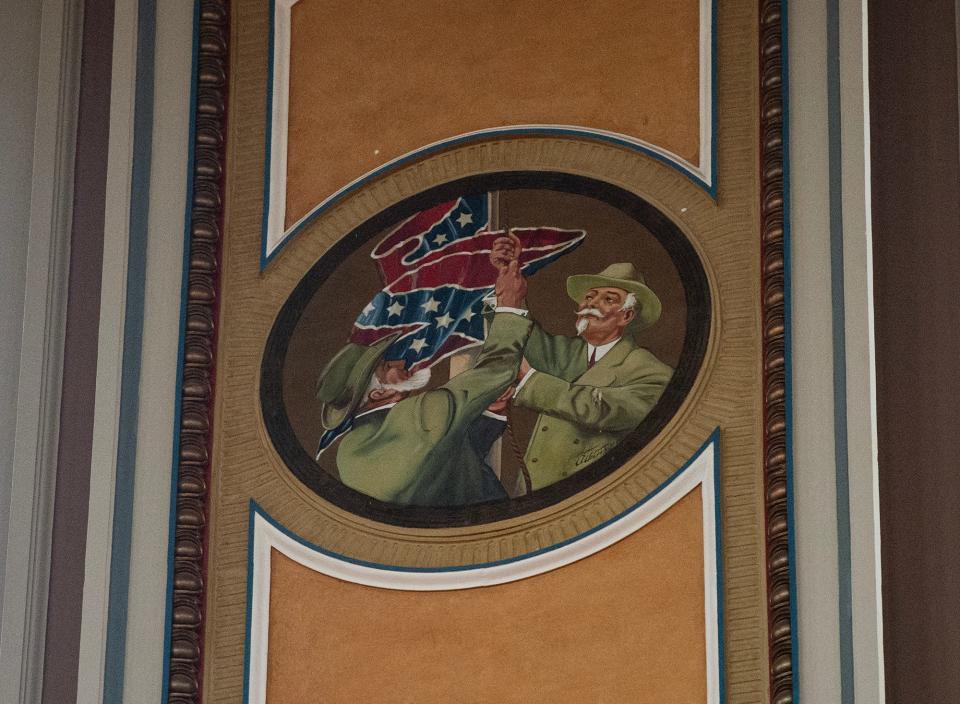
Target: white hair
point(417, 381)
point(630, 302)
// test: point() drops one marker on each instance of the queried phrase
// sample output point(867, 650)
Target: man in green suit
point(422, 449)
point(593, 390)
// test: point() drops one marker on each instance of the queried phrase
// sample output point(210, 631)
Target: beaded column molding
point(776, 480)
point(199, 344)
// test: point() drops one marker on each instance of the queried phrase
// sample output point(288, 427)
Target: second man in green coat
point(593, 390)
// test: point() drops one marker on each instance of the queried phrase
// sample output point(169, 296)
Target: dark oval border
point(304, 467)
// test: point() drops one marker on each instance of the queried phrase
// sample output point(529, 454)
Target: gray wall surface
point(19, 60)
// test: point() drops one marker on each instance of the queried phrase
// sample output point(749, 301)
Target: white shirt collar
point(598, 352)
point(378, 408)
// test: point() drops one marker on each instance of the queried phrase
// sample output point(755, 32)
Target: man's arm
point(466, 395)
point(469, 393)
point(418, 423)
point(599, 408)
point(557, 355)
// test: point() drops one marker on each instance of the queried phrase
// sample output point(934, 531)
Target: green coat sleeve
point(466, 395)
point(614, 408)
point(557, 355)
point(420, 452)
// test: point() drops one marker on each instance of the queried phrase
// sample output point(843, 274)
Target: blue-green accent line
point(254, 509)
point(119, 587)
point(714, 101)
point(718, 545)
point(788, 350)
point(268, 138)
point(841, 450)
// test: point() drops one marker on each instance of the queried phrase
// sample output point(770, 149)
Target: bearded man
point(593, 390)
point(422, 449)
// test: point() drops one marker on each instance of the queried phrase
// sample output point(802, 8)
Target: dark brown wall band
point(62, 642)
point(916, 235)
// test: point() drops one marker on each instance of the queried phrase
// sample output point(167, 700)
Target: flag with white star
point(436, 271)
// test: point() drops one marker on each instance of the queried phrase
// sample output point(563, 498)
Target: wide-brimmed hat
point(622, 275)
point(342, 383)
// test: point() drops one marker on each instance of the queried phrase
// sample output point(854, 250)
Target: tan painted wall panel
point(625, 624)
point(479, 65)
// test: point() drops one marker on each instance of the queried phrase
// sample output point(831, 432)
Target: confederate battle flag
point(436, 272)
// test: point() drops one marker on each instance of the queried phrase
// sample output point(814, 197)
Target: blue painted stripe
point(714, 99)
point(268, 139)
point(712, 443)
point(181, 349)
point(835, 149)
point(131, 360)
point(254, 510)
point(788, 352)
point(718, 537)
point(266, 258)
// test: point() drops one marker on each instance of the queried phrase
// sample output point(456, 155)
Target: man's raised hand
point(505, 249)
point(511, 287)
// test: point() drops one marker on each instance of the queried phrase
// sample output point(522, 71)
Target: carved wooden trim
point(199, 347)
point(776, 486)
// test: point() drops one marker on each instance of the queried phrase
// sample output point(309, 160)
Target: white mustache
point(589, 311)
point(582, 316)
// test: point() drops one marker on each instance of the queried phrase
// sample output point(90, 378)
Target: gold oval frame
point(318, 521)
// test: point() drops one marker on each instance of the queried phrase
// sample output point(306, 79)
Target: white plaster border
point(147, 588)
point(266, 536)
point(860, 347)
point(822, 668)
point(274, 233)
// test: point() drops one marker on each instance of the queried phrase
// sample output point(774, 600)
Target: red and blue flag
point(436, 272)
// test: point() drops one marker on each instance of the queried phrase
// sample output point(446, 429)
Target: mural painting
point(486, 354)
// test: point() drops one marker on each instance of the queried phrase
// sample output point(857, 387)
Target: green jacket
point(419, 452)
point(584, 413)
